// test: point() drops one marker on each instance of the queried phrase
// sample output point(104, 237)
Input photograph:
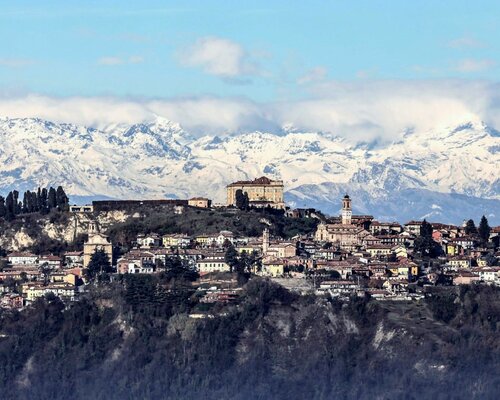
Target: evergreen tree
point(240, 199)
point(34, 202)
point(470, 227)
point(52, 200)
point(9, 207)
point(15, 195)
point(26, 200)
point(3, 210)
point(44, 209)
point(99, 264)
point(484, 230)
point(61, 199)
point(39, 199)
point(231, 257)
point(424, 244)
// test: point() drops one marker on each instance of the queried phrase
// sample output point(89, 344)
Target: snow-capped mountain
point(448, 173)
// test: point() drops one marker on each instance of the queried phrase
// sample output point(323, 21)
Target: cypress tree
point(34, 202)
point(44, 209)
point(61, 199)
point(39, 200)
point(52, 202)
point(9, 207)
point(2, 207)
point(17, 208)
point(484, 230)
point(26, 201)
point(470, 227)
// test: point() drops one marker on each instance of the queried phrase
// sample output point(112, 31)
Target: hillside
point(133, 339)
point(159, 159)
point(58, 232)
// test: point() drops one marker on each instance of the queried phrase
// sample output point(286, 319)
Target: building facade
point(262, 192)
point(96, 242)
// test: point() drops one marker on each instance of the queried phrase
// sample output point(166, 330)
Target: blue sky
point(250, 54)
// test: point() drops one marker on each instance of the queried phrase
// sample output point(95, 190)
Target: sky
point(367, 69)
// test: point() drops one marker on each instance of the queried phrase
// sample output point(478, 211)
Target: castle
point(262, 192)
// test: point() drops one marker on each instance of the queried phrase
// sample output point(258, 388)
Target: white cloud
point(365, 110)
point(473, 65)
point(111, 61)
point(465, 42)
point(15, 62)
point(315, 74)
point(220, 57)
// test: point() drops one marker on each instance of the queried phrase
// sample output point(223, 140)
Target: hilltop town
point(339, 256)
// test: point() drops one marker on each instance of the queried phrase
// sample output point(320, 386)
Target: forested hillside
point(134, 339)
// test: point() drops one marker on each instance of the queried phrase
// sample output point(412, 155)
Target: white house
point(22, 258)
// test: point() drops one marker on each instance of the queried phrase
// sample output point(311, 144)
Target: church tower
point(92, 228)
point(346, 210)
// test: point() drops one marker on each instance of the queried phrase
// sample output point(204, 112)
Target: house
point(466, 242)
point(73, 258)
point(223, 237)
point(148, 241)
point(400, 251)
point(338, 288)
point(126, 266)
point(249, 248)
point(53, 262)
point(200, 202)
point(212, 264)
point(392, 240)
point(273, 266)
point(459, 262)
point(396, 286)
point(413, 227)
point(465, 278)
point(19, 258)
point(282, 250)
point(62, 290)
point(377, 269)
point(328, 254)
point(380, 250)
point(176, 240)
point(489, 274)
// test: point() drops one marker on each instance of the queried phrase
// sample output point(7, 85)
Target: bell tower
point(346, 210)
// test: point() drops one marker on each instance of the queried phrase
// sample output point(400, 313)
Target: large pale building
point(262, 192)
point(96, 241)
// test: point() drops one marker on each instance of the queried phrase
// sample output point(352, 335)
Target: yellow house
point(379, 250)
point(204, 239)
point(273, 267)
point(452, 249)
point(400, 251)
point(414, 269)
point(248, 248)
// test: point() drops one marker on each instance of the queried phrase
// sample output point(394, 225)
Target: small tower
point(346, 210)
point(93, 229)
point(265, 241)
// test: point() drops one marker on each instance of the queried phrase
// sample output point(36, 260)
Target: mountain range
point(446, 174)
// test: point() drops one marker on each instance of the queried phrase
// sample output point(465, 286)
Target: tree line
point(483, 231)
point(42, 200)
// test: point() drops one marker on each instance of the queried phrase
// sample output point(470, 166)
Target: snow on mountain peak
point(154, 157)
